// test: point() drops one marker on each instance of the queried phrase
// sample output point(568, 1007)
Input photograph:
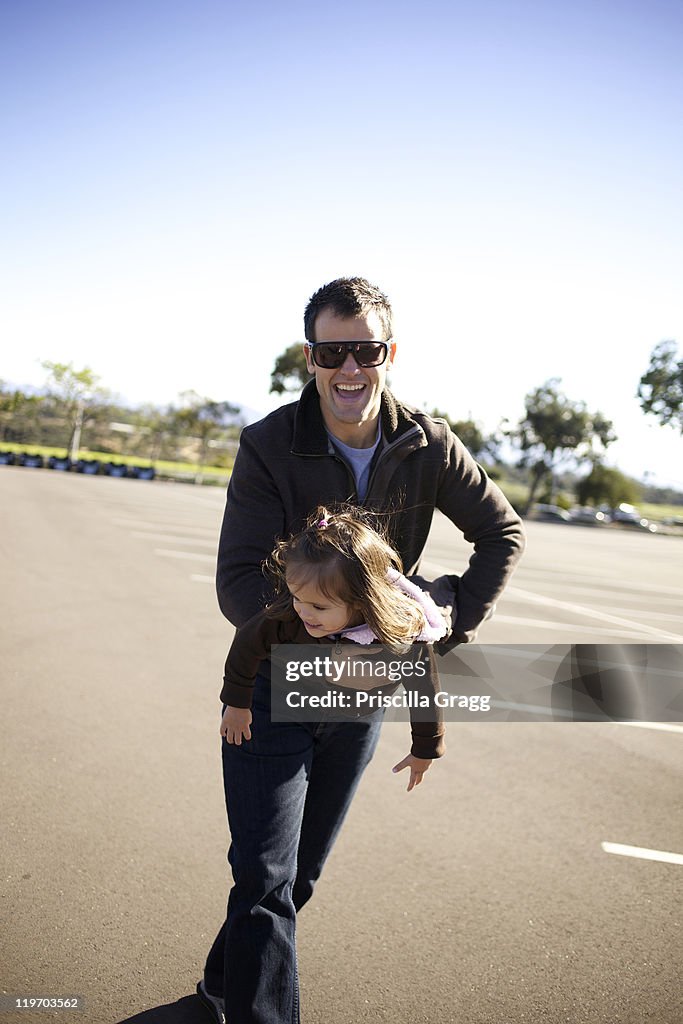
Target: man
point(346, 439)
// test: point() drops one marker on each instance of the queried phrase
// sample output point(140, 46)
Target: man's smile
point(348, 392)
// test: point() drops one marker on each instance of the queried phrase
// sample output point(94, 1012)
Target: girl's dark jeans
point(287, 792)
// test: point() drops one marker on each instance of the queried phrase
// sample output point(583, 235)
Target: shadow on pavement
point(187, 1010)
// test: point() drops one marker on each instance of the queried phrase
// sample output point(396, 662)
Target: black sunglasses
point(330, 355)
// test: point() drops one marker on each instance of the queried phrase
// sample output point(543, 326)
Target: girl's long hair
point(345, 553)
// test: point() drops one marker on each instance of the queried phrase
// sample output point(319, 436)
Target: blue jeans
point(287, 792)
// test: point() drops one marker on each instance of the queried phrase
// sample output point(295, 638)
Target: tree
point(205, 419)
point(604, 484)
point(77, 392)
point(661, 388)
point(19, 414)
point(290, 372)
point(470, 434)
point(555, 429)
point(153, 427)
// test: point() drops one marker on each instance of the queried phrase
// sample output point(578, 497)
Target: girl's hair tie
point(322, 524)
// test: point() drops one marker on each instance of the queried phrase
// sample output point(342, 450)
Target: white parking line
point(159, 524)
point(593, 613)
point(576, 609)
point(642, 853)
point(599, 582)
point(569, 626)
point(177, 538)
point(661, 726)
point(546, 712)
point(184, 554)
point(634, 628)
point(622, 608)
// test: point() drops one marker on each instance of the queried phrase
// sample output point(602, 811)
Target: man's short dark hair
point(348, 297)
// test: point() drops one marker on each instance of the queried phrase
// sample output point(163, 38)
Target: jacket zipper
point(398, 443)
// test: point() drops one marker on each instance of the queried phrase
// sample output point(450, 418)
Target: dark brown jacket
point(252, 646)
point(286, 466)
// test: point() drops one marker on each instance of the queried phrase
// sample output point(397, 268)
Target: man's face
point(350, 396)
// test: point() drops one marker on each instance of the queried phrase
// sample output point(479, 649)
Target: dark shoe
point(214, 1004)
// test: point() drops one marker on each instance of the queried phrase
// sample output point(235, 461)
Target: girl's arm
point(251, 646)
point(427, 728)
point(426, 723)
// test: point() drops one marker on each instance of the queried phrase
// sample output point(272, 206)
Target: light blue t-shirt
point(359, 460)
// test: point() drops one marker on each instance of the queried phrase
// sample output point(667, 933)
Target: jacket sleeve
point(254, 516)
point(480, 510)
point(428, 730)
point(250, 646)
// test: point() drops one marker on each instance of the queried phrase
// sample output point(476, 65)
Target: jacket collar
point(310, 435)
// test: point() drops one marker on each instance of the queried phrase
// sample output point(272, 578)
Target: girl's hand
point(235, 724)
point(418, 766)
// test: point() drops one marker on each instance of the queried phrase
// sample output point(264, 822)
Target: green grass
point(660, 512)
point(163, 467)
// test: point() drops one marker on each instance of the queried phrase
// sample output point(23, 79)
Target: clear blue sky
point(177, 178)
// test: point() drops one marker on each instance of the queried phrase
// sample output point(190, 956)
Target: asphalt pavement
point(498, 891)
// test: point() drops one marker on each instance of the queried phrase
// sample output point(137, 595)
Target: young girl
point(289, 784)
point(339, 579)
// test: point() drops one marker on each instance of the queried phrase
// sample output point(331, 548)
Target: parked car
point(7, 458)
point(627, 515)
point(551, 514)
point(589, 516)
point(60, 462)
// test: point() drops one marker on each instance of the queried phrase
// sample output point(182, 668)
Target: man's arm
point(478, 507)
point(253, 519)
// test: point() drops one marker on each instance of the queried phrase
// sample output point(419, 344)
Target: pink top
point(435, 626)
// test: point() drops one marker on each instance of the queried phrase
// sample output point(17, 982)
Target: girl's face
point(320, 614)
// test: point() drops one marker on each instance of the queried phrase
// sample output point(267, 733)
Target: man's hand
point(418, 766)
point(235, 724)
